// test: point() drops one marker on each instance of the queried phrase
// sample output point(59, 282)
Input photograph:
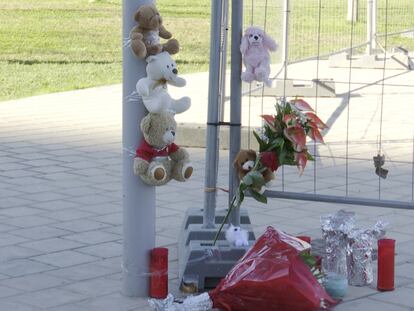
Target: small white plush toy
point(161, 71)
point(255, 47)
point(237, 236)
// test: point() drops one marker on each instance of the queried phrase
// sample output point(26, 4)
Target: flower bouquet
point(285, 133)
point(282, 141)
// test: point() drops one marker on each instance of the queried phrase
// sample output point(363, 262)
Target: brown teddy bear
point(158, 159)
point(244, 162)
point(145, 37)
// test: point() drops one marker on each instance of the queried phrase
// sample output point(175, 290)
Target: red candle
point(159, 273)
point(386, 254)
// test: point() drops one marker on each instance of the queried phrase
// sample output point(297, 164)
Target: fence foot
point(201, 265)
point(397, 60)
point(289, 88)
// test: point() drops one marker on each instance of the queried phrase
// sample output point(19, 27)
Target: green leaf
point(243, 186)
point(258, 197)
point(262, 144)
point(308, 259)
point(278, 142)
point(258, 180)
point(310, 158)
point(240, 196)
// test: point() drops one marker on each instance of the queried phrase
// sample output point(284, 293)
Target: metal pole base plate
point(202, 265)
point(288, 88)
point(397, 60)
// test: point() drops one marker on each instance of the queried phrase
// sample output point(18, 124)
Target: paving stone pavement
point(61, 214)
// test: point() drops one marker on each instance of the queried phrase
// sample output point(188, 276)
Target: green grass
point(57, 45)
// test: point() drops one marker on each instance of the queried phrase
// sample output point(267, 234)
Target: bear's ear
point(146, 124)
point(137, 15)
point(251, 154)
point(236, 164)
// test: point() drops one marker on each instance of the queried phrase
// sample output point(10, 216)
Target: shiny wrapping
point(192, 303)
point(361, 243)
point(271, 276)
point(335, 230)
point(360, 258)
point(161, 304)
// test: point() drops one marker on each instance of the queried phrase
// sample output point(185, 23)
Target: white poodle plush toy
point(255, 47)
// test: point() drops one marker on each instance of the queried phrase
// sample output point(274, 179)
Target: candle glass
point(336, 285)
point(386, 257)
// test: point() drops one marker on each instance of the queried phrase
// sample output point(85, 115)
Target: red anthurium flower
point(269, 119)
point(297, 136)
point(315, 135)
point(269, 160)
point(315, 120)
point(302, 105)
point(290, 120)
point(301, 158)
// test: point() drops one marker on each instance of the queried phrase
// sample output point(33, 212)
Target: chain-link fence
point(371, 115)
point(323, 27)
point(395, 23)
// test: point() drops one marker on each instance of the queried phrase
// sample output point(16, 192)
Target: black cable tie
point(223, 123)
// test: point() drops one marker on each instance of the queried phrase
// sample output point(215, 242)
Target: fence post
point(235, 100)
point(370, 37)
point(353, 10)
point(212, 148)
point(138, 198)
point(223, 58)
point(285, 39)
point(374, 24)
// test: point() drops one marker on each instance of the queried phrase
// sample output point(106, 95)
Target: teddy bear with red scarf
point(158, 159)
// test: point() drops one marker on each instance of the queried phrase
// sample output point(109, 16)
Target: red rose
point(269, 160)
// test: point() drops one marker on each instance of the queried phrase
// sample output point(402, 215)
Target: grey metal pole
point(212, 148)
point(285, 39)
point(223, 64)
point(370, 34)
point(353, 10)
point(138, 199)
point(374, 24)
point(235, 100)
point(338, 199)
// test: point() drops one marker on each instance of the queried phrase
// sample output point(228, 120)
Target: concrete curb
point(194, 135)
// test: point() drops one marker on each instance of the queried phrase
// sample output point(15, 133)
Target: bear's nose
point(256, 37)
point(173, 133)
point(175, 71)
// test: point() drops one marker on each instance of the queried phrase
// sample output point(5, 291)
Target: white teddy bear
point(237, 236)
point(161, 70)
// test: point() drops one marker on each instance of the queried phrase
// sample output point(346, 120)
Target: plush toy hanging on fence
point(245, 161)
point(158, 159)
point(255, 47)
point(145, 37)
point(161, 71)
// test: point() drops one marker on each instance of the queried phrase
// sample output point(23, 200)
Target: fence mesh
point(344, 166)
point(400, 17)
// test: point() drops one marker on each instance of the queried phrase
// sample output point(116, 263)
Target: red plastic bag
point(271, 276)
